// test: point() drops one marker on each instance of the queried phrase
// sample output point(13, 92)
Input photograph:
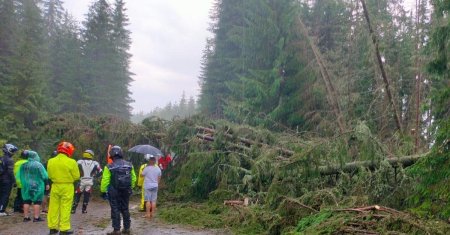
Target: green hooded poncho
point(33, 176)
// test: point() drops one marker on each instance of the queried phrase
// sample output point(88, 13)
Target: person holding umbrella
point(148, 151)
point(152, 176)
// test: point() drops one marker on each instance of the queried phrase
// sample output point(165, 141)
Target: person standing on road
point(88, 169)
point(152, 176)
point(63, 172)
point(34, 179)
point(7, 179)
point(18, 201)
point(140, 182)
point(117, 180)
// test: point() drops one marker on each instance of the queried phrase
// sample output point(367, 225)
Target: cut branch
point(381, 67)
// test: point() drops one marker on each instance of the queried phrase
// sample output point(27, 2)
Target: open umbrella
point(146, 149)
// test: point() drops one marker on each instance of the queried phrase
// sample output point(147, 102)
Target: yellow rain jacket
point(63, 172)
point(140, 183)
point(17, 166)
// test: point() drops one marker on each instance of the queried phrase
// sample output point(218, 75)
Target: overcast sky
point(168, 37)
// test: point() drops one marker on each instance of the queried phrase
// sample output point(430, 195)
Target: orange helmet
point(65, 147)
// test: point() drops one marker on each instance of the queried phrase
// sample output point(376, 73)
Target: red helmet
point(65, 147)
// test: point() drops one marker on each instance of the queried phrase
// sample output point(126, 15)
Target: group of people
point(58, 178)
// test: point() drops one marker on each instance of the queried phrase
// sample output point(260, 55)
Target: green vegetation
point(296, 115)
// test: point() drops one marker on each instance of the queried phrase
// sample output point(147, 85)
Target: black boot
point(115, 232)
point(66, 232)
point(53, 231)
point(83, 210)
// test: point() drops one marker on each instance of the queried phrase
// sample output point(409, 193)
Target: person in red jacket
point(164, 161)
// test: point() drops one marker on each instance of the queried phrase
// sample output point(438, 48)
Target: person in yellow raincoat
point(18, 202)
point(140, 182)
point(63, 172)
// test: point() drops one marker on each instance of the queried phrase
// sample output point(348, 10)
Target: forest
point(314, 117)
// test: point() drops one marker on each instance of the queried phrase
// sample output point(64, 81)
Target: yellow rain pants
point(140, 184)
point(63, 172)
point(61, 199)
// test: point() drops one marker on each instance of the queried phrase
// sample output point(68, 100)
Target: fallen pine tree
point(354, 166)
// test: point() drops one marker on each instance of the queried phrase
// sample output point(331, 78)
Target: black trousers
point(5, 191)
point(76, 200)
point(18, 202)
point(119, 202)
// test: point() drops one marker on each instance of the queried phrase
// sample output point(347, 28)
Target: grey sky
point(168, 37)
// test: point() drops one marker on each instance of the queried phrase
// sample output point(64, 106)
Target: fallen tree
point(248, 142)
point(354, 166)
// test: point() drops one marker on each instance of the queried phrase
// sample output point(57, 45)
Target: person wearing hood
point(34, 179)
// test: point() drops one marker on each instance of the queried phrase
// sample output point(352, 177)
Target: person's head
point(88, 154)
point(116, 152)
point(31, 155)
point(9, 149)
point(147, 157)
point(65, 148)
point(152, 160)
point(54, 153)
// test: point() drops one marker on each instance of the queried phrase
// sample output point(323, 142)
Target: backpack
point(120, 175)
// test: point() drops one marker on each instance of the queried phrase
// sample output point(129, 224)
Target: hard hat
point(65, 147)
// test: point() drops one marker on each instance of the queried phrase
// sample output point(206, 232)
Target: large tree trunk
point(392, 102)
point(332, 94)
point(354, 166)
point(418, 79)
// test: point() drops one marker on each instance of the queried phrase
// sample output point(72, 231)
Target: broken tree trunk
point(387, 85)
point(245, 141)
point(354, 166)
point(332, 94)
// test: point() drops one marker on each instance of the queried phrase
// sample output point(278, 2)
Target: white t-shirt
point(151, 175)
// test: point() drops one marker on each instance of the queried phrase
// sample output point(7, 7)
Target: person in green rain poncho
point(34, 180)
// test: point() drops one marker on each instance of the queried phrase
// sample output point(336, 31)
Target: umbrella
point(146, 149)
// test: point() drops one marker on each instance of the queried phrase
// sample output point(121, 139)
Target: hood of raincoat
point(33, 156)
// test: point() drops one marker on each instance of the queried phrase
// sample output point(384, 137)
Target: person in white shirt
point(152, 176)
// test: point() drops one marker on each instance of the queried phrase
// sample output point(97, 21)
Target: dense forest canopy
point(323, 66)
point(52, 65)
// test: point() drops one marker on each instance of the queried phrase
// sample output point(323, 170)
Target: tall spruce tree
point(122, 42)
point(220, 57)
point(29, 70)
point(107, 77)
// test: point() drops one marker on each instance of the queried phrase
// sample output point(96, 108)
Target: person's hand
point(105, 196)
point(47, 187)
